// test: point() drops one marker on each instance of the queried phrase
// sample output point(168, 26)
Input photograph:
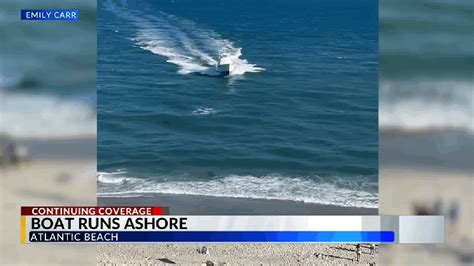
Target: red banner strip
point(93, 211)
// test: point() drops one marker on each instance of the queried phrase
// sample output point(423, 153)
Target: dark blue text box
point(239, 236)
point(53, 14)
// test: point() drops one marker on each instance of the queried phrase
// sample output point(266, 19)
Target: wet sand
point(205, 205)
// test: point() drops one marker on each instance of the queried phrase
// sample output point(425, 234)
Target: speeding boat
point(224, 66)
point(223, 69)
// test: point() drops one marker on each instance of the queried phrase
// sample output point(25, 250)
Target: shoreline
point(208, 205)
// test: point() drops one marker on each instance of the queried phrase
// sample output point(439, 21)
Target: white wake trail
point(183, 43)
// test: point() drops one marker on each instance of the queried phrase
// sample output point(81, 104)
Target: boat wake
point(184, 43)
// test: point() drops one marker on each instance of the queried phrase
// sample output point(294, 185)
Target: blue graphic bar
point(54, 14)
point(186, 236)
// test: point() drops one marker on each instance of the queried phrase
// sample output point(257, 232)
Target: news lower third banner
point(154, 224)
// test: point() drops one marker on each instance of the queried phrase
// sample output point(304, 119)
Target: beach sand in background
point(422, 169)
point(401, 188)
point(52, 181)
point(234, 254)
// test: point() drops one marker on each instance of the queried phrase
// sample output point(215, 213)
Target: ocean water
point(427, 84)
point(47, 72)
point(426, 66)
point(297, 119)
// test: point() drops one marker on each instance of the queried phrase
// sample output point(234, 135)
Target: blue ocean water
point(426, 70)
point(47, 72)
point(297, 121)
point(427, 84)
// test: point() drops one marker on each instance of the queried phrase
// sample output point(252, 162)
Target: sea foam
point(427, 105)
point(46, 116)
point(273, 187)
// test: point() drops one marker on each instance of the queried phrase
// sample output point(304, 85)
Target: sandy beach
point(447, 187)
point(234, 254)
point(231, 254)
point(61, 178)
point(424, 187)
point(422, 169)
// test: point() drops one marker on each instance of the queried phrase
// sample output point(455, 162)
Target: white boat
point(223, 69)
point(225, 66)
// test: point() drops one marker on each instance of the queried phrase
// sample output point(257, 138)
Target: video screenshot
point(238, 132)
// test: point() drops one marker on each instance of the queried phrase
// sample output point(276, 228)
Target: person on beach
point(372, 249)
point(453, 214)
point(11, 154)
point(358, 252)
point(204, 250)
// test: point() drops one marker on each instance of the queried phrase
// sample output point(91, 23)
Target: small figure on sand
point(358, 252)
point(203, 250)
point(372, 248)
point(453, 214)
point(11, 154)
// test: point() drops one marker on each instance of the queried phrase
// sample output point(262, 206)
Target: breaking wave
point(427, 105)
point(46, 116)
point(339, 192)
point(114, 177)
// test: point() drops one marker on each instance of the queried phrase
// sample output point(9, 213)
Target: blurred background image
point(426, 123)
point(47, 122)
